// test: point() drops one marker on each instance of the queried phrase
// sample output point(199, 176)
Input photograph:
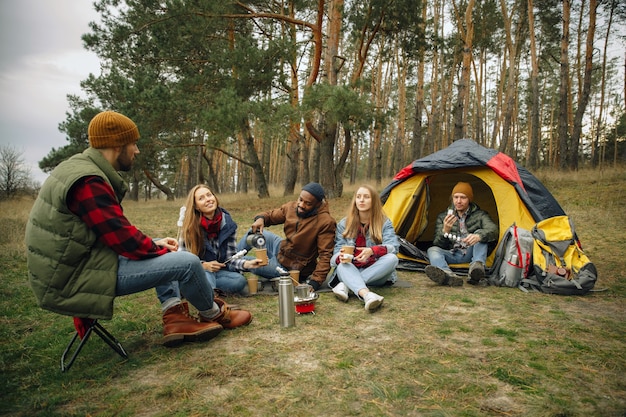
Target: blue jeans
point(375, 275)
point(179, 268)
point(230, 282)
point(442, 257)
point(272, 243)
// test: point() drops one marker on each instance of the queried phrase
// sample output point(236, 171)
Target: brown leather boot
point(228, 317)
point(179, 327)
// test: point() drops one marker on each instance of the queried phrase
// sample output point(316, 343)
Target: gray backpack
point(513, 260)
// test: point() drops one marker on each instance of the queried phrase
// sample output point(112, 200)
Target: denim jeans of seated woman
point(375, 275)
point(166, 273)
point(441, 258)
point(230, 282)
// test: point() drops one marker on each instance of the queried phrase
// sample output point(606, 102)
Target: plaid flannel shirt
point(94, 201)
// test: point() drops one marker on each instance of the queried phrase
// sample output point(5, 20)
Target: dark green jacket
point(70, 271)
point(477, 221)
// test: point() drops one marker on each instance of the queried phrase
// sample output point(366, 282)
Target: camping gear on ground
point(559, 262)
point(513, 258)
point(504, 189)
point(305, 305)
point(303, 291)
point(286, 306)
point(411, 251)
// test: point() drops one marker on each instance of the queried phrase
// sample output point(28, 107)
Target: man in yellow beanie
point(464, 233)
point(82, 251)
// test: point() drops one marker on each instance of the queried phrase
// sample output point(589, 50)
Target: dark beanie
point(315, 189)
point(110, 129)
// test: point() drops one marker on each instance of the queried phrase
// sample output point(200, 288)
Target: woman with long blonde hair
point(210, 232)
point(373, 263)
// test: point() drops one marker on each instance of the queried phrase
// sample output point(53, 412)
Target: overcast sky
point(42, 60)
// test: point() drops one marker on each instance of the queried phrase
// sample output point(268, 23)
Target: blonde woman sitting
point(374, 260)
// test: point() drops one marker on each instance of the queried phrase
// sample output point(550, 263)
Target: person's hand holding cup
point(347, 254)
point(261, 255)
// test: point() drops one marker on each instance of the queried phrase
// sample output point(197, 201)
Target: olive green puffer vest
point(70, 271)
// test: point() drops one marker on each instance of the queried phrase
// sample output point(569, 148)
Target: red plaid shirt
point(94, 201)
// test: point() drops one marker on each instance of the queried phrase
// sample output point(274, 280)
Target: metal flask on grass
point(286, 306)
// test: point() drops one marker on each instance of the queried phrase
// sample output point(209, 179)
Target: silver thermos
point(286, 306)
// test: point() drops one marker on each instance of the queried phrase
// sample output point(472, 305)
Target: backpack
point(559, 264)
point(513, 259)
point(409, 249)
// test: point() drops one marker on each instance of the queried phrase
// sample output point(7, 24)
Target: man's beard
point(305, 214)
point(124, 162)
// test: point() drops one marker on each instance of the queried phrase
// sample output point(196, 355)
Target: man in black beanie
point(310, 237)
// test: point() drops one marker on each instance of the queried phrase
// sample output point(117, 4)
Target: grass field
point(430, 351)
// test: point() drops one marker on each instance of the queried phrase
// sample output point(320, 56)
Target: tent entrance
point(502, 188)
point(432, 196)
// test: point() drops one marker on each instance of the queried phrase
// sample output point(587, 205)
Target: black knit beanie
point(315, 189)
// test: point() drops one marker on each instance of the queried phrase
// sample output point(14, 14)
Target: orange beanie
point(110, 129)
point(464, 188)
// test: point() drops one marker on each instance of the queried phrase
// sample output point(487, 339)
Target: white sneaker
point(372, 301)
point(341, 292)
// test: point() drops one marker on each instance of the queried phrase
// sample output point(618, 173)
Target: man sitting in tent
point(463, 234)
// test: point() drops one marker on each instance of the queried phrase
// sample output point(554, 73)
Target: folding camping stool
point(93, 327)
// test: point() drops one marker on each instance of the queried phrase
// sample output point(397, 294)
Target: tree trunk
point(397, 161)
point(564, 89)
point(509, 95)
point(316, 58)
point(294, 140)
point(354, 161)
point(478, 133)
point(600, 125)
point(533, 144)
point(586, 90)
point(164, 188)
point(257, 168)
point(328, 178)
point(497, 114)
point(417, 145)
point(305, 175)
point(465, 27)
point(341, 163)
point(134, 186)
point(435, 119)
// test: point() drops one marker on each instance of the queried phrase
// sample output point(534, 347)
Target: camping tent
point(506, 190)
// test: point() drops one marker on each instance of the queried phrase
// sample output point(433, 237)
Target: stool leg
point(67, 366)
point(100, 331)
point(109, 339)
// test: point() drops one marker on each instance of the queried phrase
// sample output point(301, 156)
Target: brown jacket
point(308, 244)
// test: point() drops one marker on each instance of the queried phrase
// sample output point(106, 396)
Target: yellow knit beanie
point(464, 188)
point(110, 129)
